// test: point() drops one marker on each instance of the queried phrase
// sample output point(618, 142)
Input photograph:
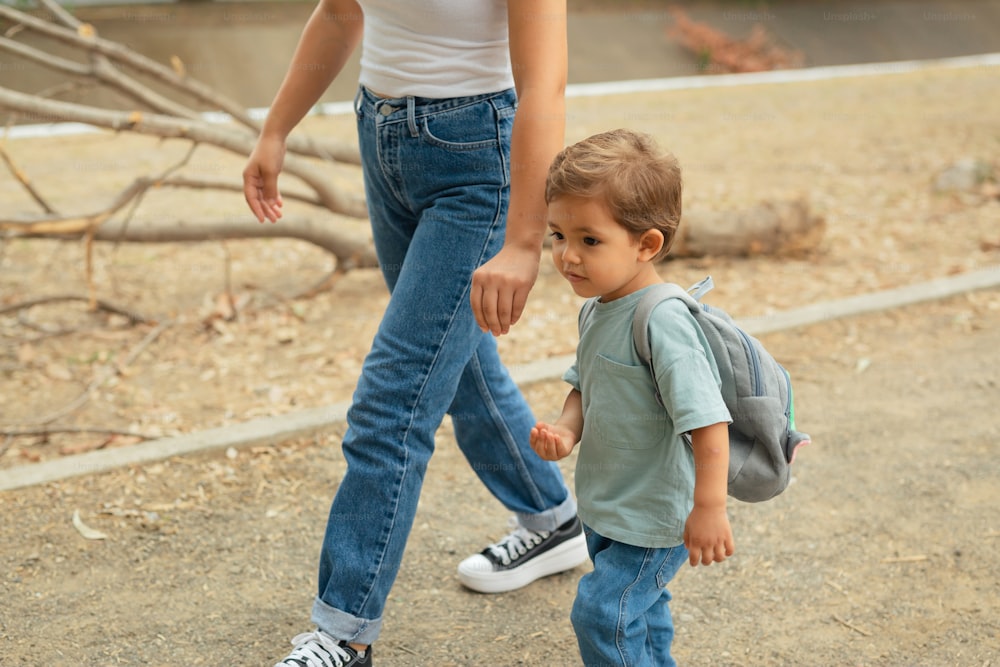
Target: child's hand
point(707, 536)
point(551, 442)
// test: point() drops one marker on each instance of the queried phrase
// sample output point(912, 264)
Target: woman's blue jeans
point(621, 614)
point(437, 179)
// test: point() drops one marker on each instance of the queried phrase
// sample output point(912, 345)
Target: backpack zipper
point(790, 405)
point(758, 389)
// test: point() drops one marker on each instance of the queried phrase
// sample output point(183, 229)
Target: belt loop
point(357, 100)
point(411, 116)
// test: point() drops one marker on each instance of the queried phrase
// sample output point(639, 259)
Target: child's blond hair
point(638, 182)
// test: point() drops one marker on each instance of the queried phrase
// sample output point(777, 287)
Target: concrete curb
point(939, 288)
point(271, 430)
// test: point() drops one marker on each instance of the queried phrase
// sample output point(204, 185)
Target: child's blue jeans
point(436, 179)
point(621, 614)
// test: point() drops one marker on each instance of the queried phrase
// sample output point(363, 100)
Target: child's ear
point(650, 243)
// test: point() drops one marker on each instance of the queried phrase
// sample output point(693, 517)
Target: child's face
point(597, 255)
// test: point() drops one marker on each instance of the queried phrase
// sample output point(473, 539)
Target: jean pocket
point(472, 127)
point(627, 415)
point(674, 560)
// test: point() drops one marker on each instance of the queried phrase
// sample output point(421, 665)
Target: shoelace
point(517, 543)
point(316, 649)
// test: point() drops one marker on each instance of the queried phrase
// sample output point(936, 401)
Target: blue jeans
point(436, 179)
point(621, 614)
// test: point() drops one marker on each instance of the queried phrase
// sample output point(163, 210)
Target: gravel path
point(882, 553)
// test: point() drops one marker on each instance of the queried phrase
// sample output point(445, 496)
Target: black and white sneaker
point(524, 556)
point(318, 649)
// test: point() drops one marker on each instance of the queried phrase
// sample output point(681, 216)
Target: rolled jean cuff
point(344, 627)
point(550, 519)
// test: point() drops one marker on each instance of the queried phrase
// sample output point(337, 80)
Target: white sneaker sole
point(477, 573)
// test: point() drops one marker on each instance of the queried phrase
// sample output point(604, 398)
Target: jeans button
point(386, 109)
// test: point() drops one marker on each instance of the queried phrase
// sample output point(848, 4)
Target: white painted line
point(272, 430)
point(612, 88)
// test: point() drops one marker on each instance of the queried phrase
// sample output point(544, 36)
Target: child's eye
point(590, 240)
point(557, 236)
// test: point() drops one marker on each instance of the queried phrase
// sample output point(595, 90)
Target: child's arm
point(707, 534)
point(555, 441)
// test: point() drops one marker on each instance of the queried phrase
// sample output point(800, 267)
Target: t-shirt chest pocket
point(623, 412)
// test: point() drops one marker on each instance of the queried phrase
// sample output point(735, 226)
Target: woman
point(460, 110)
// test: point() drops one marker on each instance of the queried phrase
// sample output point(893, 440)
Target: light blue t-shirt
point(634, 472)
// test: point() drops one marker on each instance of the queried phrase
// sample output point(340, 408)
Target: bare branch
point(76, 226)
point(209, 183)
point(352, 249)
point(234, 140)
point(132, 316)
point(23, 179)
point(61, 13)
point(100, 69)
point(83, 36)
point(136, 201)
point(104, 72)
point(42, 58)
point(46, 431)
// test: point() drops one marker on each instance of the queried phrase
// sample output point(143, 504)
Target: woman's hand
point(500, 288)
point(260, 179)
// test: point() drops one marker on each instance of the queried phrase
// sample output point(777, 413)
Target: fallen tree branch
point(786, 228)
point(133, 317)
point(83, 36)
point(101, 71)
point(25, 182)
point(210, 183)
point(78, 225)
point(53, 430)
point(778, 229)
point(233, 140)
point(352, 249)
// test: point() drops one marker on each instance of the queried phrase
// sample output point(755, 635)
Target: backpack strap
point(701, 288)
point(652, 298)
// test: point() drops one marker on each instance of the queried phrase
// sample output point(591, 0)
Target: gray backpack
point(756, 389)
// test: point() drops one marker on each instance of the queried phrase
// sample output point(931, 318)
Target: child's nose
point(570, 255)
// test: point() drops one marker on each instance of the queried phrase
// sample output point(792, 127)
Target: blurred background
point(243, 48)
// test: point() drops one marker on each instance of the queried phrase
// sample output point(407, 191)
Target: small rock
point(964, 176)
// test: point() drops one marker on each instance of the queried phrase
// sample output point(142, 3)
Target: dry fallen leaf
point(30, 455)
point(84, 446)
point(178, 66)
point(85, 530)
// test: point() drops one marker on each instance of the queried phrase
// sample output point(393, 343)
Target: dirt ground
point(882, 553)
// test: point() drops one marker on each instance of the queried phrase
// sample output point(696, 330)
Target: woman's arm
point(538, 54)
point(330, 36)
